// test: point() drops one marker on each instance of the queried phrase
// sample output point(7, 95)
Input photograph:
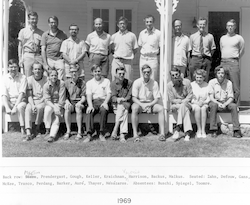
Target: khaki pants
point(39, 115)
point(127, 64)
point(59, 66)
point(122, 116)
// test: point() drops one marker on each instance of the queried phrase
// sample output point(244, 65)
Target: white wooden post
point(166, 8)
point(4, 35)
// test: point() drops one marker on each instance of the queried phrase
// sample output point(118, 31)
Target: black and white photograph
point(124, 98)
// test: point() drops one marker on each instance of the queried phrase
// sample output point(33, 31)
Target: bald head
point(98, 25)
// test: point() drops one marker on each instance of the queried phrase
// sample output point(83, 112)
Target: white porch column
point(4, 35)
point(166, 8)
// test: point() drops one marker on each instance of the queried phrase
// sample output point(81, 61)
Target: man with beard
point(149, 41)
point(13, 95)
point(73, 50)
point(180, 95)
point(222, 96)
point(121, 89)
point(202, 48)
point(124, 46)
point(232, 48)
point(180, 48)
point(98, 95)
point(51, 44)
point(98, 47)
point(36, 102)
point(29, 47)
point(146, 96)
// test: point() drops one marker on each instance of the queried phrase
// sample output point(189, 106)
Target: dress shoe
point(237, 134)
point(214, 134)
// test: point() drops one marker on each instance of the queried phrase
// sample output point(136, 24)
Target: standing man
point(98, 46)
point(75, 99)
point(36, 102)
point(202, 48)
point(180, 95)
point(124, 46)
point(51, 44)
point(180, 48)
point(232, 48)
point(29, 47)
point(98, 95)
point(73, 51)
point(121, 89)
point(146, 96)
point(13, 96)
point(149, 41)
point(222, 96)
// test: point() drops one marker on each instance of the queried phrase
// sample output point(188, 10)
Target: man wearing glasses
point(121, 89)
point(180, 95)
point(73, 50)
point(146, 96)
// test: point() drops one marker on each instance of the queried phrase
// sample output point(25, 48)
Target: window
point(127, 14)
point(110, 12)
point(104, 15)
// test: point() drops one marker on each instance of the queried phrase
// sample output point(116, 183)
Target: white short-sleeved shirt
point(98, 44)
point(180, 48)
point(200, 93)
point(149, 42)
point(12, 87)
point(98, 89)
point(145, 92)
point(231, 46)
point(73, 49)
point(124, 44)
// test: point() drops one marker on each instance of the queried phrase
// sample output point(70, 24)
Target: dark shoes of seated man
point(236, 134)
point(102, 137)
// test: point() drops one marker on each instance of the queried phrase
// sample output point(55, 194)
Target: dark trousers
point(232, 67)
point(90, 117)
point(232, 107)
point(199, 63)
point(100, 60)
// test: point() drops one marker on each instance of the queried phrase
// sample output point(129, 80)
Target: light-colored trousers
point(183, 116)
point(127, 64)
point(51, 120)
point(39, 115)
point(59, 66)
point(154, 65)
point(28, 60)
point(122, 116)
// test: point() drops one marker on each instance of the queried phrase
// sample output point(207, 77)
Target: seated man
point(75, 98)
point(14, 89)
point(54, 94)
point(36, 103)
point(121, 89)
point(221, 96)
point(145, 95)
point(180, 95)
point(98, 95)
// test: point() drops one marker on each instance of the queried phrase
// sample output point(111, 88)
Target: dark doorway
point(217, 27)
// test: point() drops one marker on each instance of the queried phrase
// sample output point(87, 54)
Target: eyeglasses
point(97, 71)
point(146, 72)
point(121, 73)
point(175, 75)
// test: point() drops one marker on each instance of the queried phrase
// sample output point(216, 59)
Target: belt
point(234, 59)
point(202, 57)
point(32, 52)
point(98, 54)
point(119, 58)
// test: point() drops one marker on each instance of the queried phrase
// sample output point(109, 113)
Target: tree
point(16, 23)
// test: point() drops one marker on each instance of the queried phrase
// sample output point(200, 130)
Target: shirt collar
point(103, 33)
point(16, 76)
point(145, 82)
point(123, 33)
point(152, 31)
point(71, 39)
point(50, 84)
point(204, 33)
point(182, 34)
point(224, 82)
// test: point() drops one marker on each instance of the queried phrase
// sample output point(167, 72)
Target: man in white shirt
point(98, 94)
point(180, 48)
point(29, 47)
point(124, 46)
point(98, 46)
point(149, 41)
point(232, 48)
point(73, 50)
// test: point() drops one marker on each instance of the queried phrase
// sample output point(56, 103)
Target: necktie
point(201, 45)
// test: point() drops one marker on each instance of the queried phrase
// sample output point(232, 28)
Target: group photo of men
point(47, 84)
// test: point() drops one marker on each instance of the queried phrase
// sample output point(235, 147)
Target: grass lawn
point(222, 146)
